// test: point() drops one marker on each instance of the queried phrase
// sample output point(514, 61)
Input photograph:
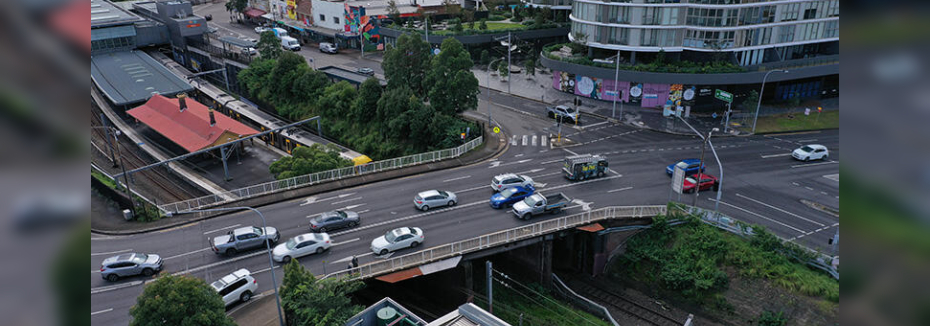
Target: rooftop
point(190, 128)
point(105, 13)
point(131, 77)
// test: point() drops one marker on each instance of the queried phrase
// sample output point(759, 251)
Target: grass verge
point(798, 122)
point(538, 307)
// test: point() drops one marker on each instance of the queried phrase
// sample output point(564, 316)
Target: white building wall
point(331, 11)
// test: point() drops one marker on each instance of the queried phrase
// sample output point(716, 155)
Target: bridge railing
point(319, 177)
point(496, 239)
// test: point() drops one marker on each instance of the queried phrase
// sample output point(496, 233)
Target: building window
point(831, 29)
point(810, 13)
point(336, 20)
point(322, 17)
point(786, 34)
point(790, 12)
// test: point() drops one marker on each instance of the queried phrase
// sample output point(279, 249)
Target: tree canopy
point(179, 300)
point(306, 160)
point(407, 63)
point(310, 302)
point(453, 87)
point(269, 47)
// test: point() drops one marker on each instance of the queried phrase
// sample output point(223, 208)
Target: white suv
point(509, 180)
point(811, 152)
point(238, 286)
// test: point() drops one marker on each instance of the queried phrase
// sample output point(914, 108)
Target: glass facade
point(703, 25)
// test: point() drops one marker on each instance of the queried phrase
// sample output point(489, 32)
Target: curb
point(459, 163)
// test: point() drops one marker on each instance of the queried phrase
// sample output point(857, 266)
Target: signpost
point(726, 97)
point(678, 178)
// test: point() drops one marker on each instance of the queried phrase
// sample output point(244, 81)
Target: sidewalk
point(539, 88)
point(260, 311)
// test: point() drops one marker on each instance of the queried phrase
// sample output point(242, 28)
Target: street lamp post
point(489, 89)
point(267, 247)
point(697, 184)
point(617, 89)
point(720, 165)
point(759, 105)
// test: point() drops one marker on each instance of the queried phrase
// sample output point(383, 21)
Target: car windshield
point(444, 194)
point(569, 110)
point(341, 213)
point(138, 258)
point(257, 230)
point(531, 200)
point(508, 192)
point(390, 236)
point(291, 244)
point(807, 149)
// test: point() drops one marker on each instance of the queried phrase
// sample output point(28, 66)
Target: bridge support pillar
point(469, 277)
point(545, 262)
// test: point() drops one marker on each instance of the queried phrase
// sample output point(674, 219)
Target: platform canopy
point(131, 77)
point(190, 128)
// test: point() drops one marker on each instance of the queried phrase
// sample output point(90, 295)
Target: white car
point(510, 180)
point(399, 238)
point(261, 29)
point(301, 245)
point(238, 286)
point(434, 198)
point(811, 152)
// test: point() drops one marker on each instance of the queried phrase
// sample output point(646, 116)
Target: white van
point(290, 43)
point(328, 48)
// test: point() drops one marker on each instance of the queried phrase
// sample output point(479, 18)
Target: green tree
point(287, 71)
point(72, 296)
point(269, 47)
point(392, 10)
point(306, 160)
point(458, 26)
point(392, 104)
point(179, 300)
point(337, 100)
point(483, 25)
point(769, 318)
point(366, 105)
point(453, 87)
point(309, 86)
point(236, 6)
point(530, 66)
point(407, 64)
point(311, 302)
point(485, 57)
point(751, 101)
point(257, 79)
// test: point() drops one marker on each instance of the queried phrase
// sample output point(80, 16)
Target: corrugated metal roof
point(105, 12)
point(131, 77)
point(190, 128)
point(112, 32)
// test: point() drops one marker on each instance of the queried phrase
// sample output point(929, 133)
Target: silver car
point(564, 111)
point(129, 265)
point(434, 198)
point(399, 238)
point(244, 238)
point(509, 180)
point(301, 245)
point(334, 220)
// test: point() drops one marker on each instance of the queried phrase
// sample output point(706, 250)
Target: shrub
point(496, 17)
point(485, 57)
point(483, 25)
point(507, 14)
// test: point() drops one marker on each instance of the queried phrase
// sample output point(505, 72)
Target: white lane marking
point(813, 164)
point(569, 151)
point(101, 311)
point(513, 140)
point(533, 142)
point(524, 140)
point(459, 178)
point(113, 287)
point(345, 242)
point(472, 189)
point(354, 206)
point(364, 211)
point(834, 177)
point(815, 231)
point(543, 141)
point(228, 261)
point(593, 125)
point(312, 200)
point(517, 162)
point(809, 188)
point(823, 193)
point(776, 155)
point(553, 161)
point(110, 253)
point(778, 209)
point(221, 229)
point(518, 155)
point(385, 256)
point(759, 215)
point(807, 140)
point(264, 270)
point(495, 164)
point(188, 253)
point(432, 212)
point(345, 201)
point(95, 271)
point(621, 189)
point(344, 260)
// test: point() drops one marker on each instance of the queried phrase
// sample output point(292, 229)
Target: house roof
point(190, 128)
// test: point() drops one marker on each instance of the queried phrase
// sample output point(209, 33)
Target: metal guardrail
point(318, 178)
point(496, 239)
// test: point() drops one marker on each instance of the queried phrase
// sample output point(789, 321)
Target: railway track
point(624, 304)
point(162, 188)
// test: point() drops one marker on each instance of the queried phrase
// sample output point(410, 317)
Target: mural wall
point(646, 94)
point(358, 22)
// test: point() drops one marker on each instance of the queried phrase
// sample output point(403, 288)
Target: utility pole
point(106, 131)
point(489, 91)
point(509, 47)
point(700, 174)
point(490, 289)
point(759, 105)
point(613, 114)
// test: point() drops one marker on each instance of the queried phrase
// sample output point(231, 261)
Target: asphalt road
point(762, 185)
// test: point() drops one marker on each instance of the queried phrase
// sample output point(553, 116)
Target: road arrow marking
point(354, 206)
point(313, 200)
point(495, 164)
point(585, 206)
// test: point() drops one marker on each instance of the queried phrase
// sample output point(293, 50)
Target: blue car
point(509, 196)
point(693, 164)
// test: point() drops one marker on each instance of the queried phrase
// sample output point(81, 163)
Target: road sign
point(714, 115)
point(497, 129)
point(723, 96)
point(678, 178)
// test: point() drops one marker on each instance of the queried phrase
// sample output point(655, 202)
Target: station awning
point(190, 128)
point(254, 12)
point(131, 77)
point(421, 270)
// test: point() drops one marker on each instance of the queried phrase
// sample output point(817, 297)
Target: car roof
point(229, 279)
point(428, 193)
point(243, 230)
point(119, 258)
point(505, 176)
point(816, 146)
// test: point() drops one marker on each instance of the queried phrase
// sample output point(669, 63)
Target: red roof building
point(188, 123)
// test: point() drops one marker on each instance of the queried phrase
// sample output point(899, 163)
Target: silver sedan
point(399, 238)
point(301, 245)
point(434, 198)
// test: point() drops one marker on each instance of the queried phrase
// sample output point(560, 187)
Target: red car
point(707, 182)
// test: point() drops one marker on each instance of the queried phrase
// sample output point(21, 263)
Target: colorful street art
point(357, 22)
point(292, 9)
